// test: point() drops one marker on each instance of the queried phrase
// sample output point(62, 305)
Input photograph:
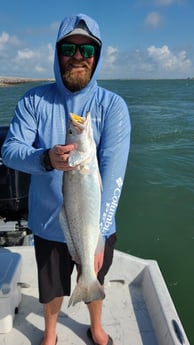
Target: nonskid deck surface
point(125, 314)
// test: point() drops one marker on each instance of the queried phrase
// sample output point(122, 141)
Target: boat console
point(14, 187)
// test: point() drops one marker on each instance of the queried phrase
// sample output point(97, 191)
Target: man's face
point(76, 71)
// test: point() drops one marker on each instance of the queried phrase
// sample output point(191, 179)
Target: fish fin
point(85, 170)
point(65, 228)
point(100, 244)
point(77, 157)
point(87, 294)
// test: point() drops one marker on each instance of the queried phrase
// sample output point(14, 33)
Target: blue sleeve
point(18, 151)
point(113, 157)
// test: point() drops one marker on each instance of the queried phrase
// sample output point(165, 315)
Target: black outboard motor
point(14, 187)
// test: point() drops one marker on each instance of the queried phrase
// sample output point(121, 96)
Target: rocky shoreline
point(8, 81)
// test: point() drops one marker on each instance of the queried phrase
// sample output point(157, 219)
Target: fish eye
point(70, 131)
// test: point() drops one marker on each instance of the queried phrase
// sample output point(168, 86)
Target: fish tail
point(87, 294)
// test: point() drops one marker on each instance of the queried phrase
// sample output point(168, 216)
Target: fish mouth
point(78, 122)
point(77, 119)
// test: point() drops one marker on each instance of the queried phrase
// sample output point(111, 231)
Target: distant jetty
point(6, 81)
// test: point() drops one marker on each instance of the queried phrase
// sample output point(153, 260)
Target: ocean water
point(155, 218)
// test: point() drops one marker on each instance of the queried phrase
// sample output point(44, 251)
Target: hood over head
point(82, 29)
point(79, 24)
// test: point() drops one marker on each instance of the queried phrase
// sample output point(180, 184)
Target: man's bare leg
point(98, 334)
point(51, 312)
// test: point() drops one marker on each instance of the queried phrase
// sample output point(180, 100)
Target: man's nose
point(78, 55)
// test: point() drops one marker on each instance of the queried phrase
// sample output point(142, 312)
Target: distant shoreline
point(8, 81)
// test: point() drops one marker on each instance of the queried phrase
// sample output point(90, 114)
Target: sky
point(141, 38)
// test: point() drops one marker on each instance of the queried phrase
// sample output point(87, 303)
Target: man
point(36, 144)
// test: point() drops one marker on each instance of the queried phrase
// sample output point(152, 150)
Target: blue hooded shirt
point(40, 123)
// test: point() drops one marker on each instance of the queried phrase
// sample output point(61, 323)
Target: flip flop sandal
point(89, 334)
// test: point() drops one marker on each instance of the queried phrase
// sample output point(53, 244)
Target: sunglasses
point(86, 50)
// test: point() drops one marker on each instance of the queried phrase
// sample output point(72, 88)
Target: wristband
point(45, 160)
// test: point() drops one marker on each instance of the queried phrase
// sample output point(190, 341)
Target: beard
point(75, 79)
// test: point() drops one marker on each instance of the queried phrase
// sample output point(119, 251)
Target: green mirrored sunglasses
point(86, 50)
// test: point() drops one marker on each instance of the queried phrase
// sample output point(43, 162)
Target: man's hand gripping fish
point(80, 213)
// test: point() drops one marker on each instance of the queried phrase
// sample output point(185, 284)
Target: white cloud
point(167, 2)
point(109, 66)
point(25, 54)
point(154, 62)
point(38, 61)
point(110, 56)
point(6, 40)
point(39, 69)
point(153, 19)
point(16, 60)
point(168, 61)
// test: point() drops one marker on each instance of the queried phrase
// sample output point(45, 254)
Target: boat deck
point(137, 309)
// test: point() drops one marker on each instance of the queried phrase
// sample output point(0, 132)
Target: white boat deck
point(137, 309)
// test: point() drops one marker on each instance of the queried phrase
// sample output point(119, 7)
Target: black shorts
point(55, 267)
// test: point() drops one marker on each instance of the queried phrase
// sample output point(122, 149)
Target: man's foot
point(89, 334)
point(42, 341)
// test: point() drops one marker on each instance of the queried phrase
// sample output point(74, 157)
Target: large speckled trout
point(80, 214)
